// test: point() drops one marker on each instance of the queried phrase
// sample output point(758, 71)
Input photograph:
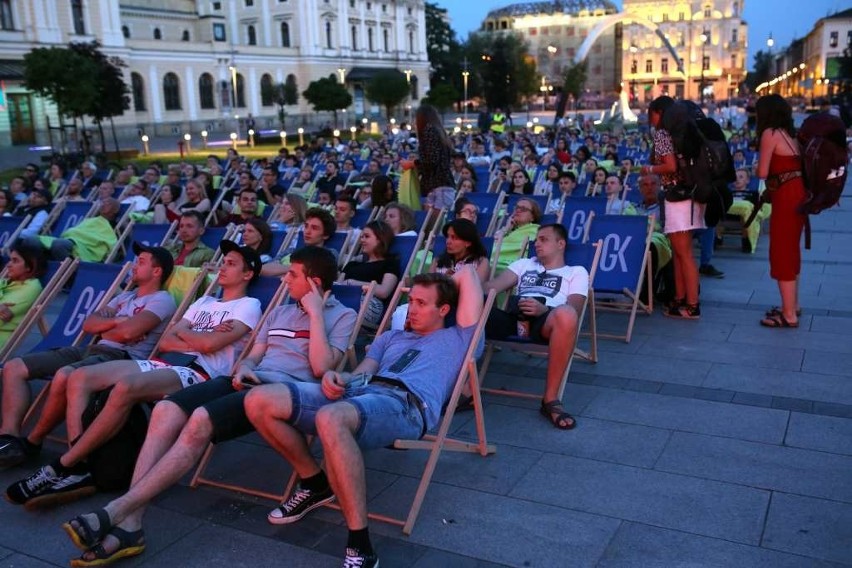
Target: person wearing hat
point(297, 343)
point(129, 327)
point(205, 343)
point(90, 240)
point(38, 208)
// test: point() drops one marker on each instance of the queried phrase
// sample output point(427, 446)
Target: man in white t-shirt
point(205, 343)
point(550, 298)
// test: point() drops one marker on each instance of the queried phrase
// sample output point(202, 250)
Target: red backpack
point(825, 162)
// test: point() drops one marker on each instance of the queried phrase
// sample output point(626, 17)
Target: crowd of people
point(288, 385)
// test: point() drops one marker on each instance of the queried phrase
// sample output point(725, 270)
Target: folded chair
point(625, 257)
point(588, 256)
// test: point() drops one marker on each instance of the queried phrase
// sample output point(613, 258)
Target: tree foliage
point(443, 49)
point(574, 79)
point(281, 94)
point(388, 88)
point(326, 94)
point(502, 70)
point(442, 97)
point(761, 71)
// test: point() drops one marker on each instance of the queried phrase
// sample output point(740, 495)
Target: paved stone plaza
point(717, 443)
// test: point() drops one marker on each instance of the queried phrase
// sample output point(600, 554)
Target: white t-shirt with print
point(208, 312)
point(554, 285)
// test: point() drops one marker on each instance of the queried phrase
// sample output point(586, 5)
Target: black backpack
point(112, 464)
point(825, 160)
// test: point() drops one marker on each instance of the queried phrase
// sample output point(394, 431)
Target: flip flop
point(129, 544)
point(561, 421)
point(83, 535)
point(774, 310)
point(777, 320)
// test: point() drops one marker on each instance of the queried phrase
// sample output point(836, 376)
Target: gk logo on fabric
point(613, 252)
point(88, 301)
point(4, 237)
point(70, 222)
point(577, 225)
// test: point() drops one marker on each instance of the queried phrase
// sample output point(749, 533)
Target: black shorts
point(223, 404)
point(502, 324)
point(46, 363)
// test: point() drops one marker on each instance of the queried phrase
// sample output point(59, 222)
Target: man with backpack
point(204, 343)
point(129, 328)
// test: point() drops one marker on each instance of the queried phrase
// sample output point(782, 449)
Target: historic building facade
point(197, 64)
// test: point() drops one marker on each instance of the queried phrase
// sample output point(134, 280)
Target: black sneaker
point(300, 503)
point(672, 309)
point(45, 488)
point(12, 451)
point(357, 559)
point(690, 312)
point(710, 270)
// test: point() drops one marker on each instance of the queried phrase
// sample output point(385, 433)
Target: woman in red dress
point(780, 164)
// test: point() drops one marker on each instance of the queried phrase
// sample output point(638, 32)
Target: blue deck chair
point(624, 258)
point(148, 234)
point(213, 235)
point(489, 205)
point(513, 198)
point(578, 213)
point(361, 217)
point(9, 228)
point(71, 215)
point(587, 255)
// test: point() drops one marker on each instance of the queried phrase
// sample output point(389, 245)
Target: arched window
point(285, 34)
point(77, 17)
point(267, 91)
point(370, 38)
point(171, 91)
point(251, 35)
point(205, 91)
point(138, 87)
point(125, 31)
point(328, 35)
point(386, 39)
point(354, 38)
point(410, 41)
point(158, 34)
point(241, 91)
point(185, 35)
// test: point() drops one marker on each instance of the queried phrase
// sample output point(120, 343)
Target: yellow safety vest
point(497, 122)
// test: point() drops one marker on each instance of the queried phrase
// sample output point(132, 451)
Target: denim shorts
point(385, 414)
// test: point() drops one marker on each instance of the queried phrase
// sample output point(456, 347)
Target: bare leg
point(686, 272)
point(561, 331)
point(140, 387)
point(789, 299)
point(16, 396)
point(84, 382)
point(336, 425)
point(267, 408)
point(53, 412)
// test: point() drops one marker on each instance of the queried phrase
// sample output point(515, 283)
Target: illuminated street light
point(145, 139)
point(704, 37)
point(283, 135)
point(234, 140)
point(251, 137)
point(301, 132)
point(204, 139)
point(352, 131)
point(187, 138)
point(465, 76)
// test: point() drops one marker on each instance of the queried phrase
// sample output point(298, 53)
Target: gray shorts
point(45, 363)
point(187, 375)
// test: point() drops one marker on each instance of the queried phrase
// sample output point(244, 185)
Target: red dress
point(786, 223)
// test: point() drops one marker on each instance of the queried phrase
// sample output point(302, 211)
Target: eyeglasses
point(523, 209)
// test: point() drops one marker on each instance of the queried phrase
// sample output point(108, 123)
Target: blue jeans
point(384, 414)
point(707, 240)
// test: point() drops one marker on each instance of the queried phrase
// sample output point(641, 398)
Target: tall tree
point(441, 97)
point(388, 88)
point(502, 70)
point(282, 94)
point(574, 79)
point(442, 48)
point(326, 94)
point(761, 70)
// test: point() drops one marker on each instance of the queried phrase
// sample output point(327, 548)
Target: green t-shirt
point(21, 296)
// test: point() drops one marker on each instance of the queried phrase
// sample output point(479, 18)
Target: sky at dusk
point(785, 19)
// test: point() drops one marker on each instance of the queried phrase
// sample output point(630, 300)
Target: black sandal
point(129, 544)
point(776, 310)
point(778, 320)
point(83, 535)
point(548, 409)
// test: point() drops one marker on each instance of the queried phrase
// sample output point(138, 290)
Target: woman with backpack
point(681, 215)
point(780, 164)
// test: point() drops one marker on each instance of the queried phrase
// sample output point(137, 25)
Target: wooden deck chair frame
point(350, 356)
point(36, 311)
point(15, 234)
point(634, 304)
point(541, 350)
point(397, 294)
point(435, 443)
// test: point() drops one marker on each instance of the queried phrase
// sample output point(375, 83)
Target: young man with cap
point(298, 342)
point(129, 327)
point(204, 343)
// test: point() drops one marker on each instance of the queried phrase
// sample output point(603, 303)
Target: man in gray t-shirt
point(129, 327)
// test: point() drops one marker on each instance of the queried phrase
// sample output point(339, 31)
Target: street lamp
point(188, 137)
point(251, 137)
point(145, 144)
point(283, 135)
point(204, 139)
point(234, 140)
point(342, 72)
point(704, 37)
point(352, 131)
point(465, 75)
point(301, 132)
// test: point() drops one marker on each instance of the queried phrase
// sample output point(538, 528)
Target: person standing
point(780, 164)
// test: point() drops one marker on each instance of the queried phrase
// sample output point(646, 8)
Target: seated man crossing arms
point(204, 344)
point(547, 307)
point(129, 327)
point(396, 392)
point(297, 342)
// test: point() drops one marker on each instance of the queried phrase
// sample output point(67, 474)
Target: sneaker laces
point(354, 559)
point(298, 497)
point(44, 477)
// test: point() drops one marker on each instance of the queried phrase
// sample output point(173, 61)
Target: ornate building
point(709, 38)
point(556, 30)
point(198, 64)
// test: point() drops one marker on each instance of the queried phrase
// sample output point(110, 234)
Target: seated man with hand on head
point(550, 298)
point(297, 342)
point(205, 343)
point(129, 328)
point(318, 228)
point(396, 392)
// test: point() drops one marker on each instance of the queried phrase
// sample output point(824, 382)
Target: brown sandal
point(562, 419)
